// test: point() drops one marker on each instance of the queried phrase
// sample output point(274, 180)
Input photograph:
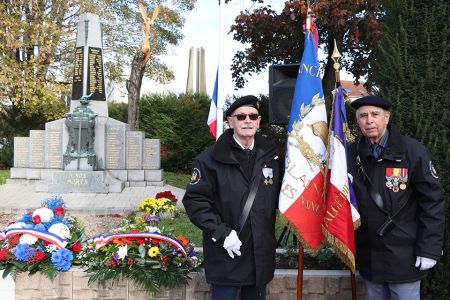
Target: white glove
point(425, 263)
point(232, 244)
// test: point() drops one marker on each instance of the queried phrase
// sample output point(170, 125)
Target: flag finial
point(336, 56)
point(308, 18)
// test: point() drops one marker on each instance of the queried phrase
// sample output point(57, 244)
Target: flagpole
point(300, 273)
point(220, 92)
point(301, 250)
point(336, 57)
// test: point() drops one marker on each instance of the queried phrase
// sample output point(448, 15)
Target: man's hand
point(232, 244)
point(425, 263)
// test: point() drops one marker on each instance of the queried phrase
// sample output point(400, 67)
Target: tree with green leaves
point(411, 69)
point(37, 42)
point(136, 35)
point(274, 38)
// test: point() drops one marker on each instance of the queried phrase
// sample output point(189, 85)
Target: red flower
point(76, 247)
point(134, 231)
point(167, 194)
point(37, 257)
point(14, 240)
point(59, 210)
point(37, 219)
point(140, 241)
point(130, 261)
point(4, 254)
point(165, 261)
point(155, 241)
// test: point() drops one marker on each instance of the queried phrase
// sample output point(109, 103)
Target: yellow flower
point(153, 251)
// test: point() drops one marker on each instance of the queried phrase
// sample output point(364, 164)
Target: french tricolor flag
point(212, 117)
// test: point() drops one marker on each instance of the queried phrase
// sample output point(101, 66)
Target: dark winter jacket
point(214, 200)
point(412, 196)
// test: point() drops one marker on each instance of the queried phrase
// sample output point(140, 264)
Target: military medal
point(396, 179)
point(403, 178)
point(268, 175)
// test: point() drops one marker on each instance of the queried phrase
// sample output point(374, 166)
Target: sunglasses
point(242, 117)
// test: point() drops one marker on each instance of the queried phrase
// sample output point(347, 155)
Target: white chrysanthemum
point(152, 229)
point(122, 252)
point(28, 239)
point(51, 248)
point(60, 230)
point(44, 213)
point(16, 225)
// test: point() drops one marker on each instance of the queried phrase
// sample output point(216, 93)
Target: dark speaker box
point(282, 79)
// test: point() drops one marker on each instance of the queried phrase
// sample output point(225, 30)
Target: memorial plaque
point(53, 149)
point(78, 182)
point(95, 82)
point(115, 147)
point(152, 156)
point(135, 140)
point(21, 152)
point(77, 85)
point(37, 148)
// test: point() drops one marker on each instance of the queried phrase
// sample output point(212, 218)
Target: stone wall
point(73, 285)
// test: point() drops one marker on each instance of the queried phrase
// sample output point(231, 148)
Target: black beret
point(373, 101)
point(248, 100)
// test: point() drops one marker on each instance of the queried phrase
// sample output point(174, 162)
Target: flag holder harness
point(249, 202)
point(376, 197)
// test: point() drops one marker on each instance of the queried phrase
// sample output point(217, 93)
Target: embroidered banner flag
point(302, 195)
point(341, 216)
point(212, 117)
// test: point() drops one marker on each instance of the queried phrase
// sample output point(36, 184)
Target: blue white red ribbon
point(46, 236)
point(101, 240)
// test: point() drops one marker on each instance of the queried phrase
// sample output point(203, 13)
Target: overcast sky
point(202, 30)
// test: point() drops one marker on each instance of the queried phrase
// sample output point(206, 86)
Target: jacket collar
point(394, 150)
point(222, 148)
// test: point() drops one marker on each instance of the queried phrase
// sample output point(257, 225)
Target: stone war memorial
point(87, 151)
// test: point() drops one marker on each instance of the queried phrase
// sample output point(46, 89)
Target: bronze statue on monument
point(81, 126)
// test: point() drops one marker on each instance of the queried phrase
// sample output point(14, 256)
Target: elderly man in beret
point(401, 204)
point(232, 197)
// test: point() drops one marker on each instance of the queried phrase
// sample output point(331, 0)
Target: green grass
point(178, 180)
point(4, 174)
point(181, 224)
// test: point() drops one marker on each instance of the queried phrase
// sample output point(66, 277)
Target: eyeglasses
point(242, 117)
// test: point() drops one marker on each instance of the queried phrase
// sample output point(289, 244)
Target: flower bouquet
point(44, 240)
point(162, 205)
point(167, 194)
point(138, 250)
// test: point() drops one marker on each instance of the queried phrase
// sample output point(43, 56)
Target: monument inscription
point(77, 86)
point(134, 149)
point(152, 157)
point(53, 149)
point(95, 82)
point(115, 147)
point(37, 148)
point(21, 152)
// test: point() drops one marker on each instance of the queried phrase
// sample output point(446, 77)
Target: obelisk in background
point(196, 71)
point(88, 75)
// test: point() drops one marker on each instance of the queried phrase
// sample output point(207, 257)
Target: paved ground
point(20, 195)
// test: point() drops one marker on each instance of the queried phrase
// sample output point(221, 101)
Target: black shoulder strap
point(249, 202)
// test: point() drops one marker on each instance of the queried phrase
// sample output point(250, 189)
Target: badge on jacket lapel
point(268, 175)
point(396, 178)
